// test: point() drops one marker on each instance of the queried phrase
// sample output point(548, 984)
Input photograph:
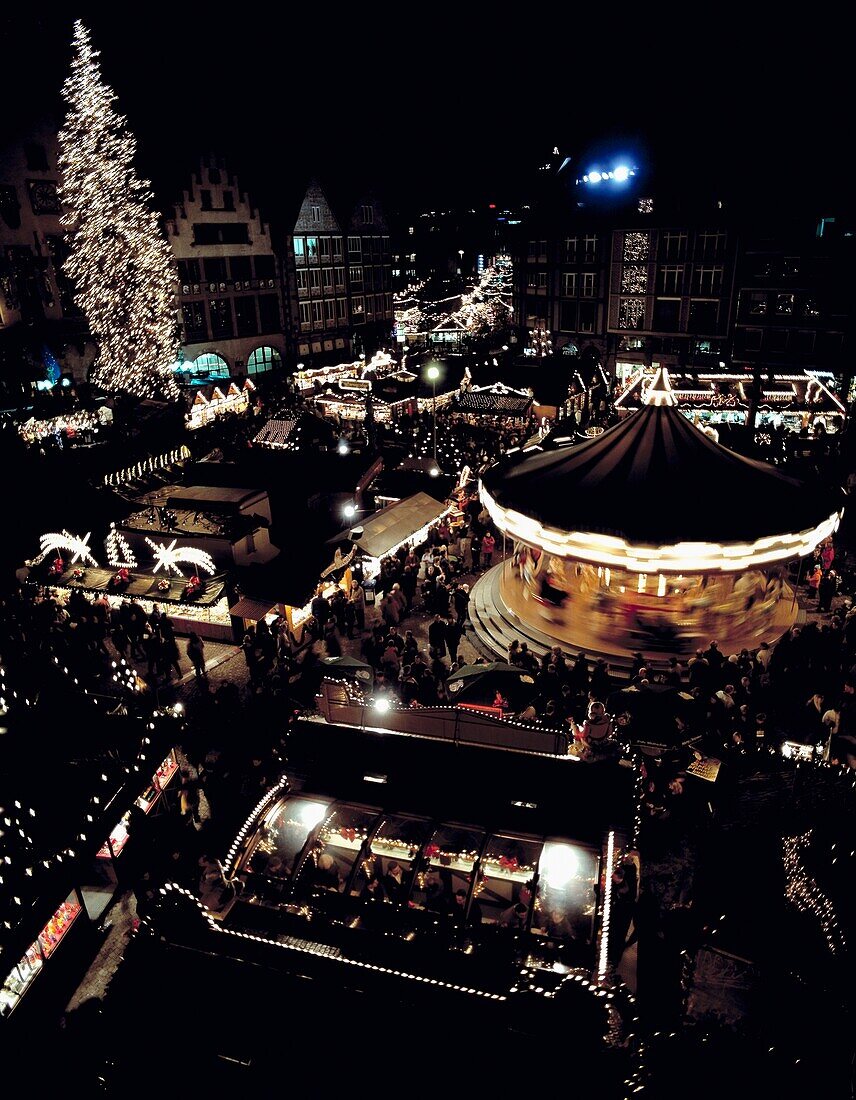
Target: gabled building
point(339, 277)
point(230, 298)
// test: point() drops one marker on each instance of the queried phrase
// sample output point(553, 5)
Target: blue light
point(594, 177)
point(622, 173)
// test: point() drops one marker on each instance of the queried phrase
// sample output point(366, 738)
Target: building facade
point(42, 333)
point(230, 297)
point(339, 278)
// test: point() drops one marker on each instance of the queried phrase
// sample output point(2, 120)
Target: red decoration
point(431, 850)
point(509, 864)
point(348, 834)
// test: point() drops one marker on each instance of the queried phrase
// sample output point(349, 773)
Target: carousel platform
point(496, 624)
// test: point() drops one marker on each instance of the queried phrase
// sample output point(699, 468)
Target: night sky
point(436, 108)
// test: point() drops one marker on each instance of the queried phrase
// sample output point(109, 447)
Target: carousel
point(650, 536)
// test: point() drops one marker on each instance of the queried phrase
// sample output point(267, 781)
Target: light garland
point(119, 261)
point(129, 473)
point(804, 894)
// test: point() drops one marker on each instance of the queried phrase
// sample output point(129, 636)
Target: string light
point(119, 261)
point(802, 891)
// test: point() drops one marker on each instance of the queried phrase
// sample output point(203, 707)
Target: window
point(342, 309)
point(355, 247)
point(329, 312)
point(671, 279)
point(299, 250)
point(588, 288)
point(667, 314)
point(188, 271)
point(631, 313)
point(315, 281)
point(637, 248)
point(537, 248)
point(37, 159)
point(211, 364)
point(205, 200)
point(193, 318)
point(634, 279)
point(215, 269)
point(44, 198)
point(340, 278)
point(568, 316)
point(221, 317)
point(228, 201)
point(810, 308)
point(704, 316)
point(747, 340)
point(316, 213)
point(337, 248)
point(324, 249)
point(312, 249)
point(305, 316)
point(240, 268)
point(542, 280)
point(317, 314)
point(265, 267)
point(358, 307)
point(777, 341)
point(356, 274)
point(269, 319)
point(674, 245)
point(368, 215)
point(711, 243)
point(223, 233)
point(246, 322)
point(791, 267)
point(569, 284)
point(213, 175)
point(263, 359)
point(590, 243)
point(302, 284)
point(588, 316)
point(571, 245)
point(327, 279)
point(756, 302)
point(784, 303)
point(368, 277)
point(708, 280)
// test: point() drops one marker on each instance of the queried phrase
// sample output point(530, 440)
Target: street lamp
point(433, 373)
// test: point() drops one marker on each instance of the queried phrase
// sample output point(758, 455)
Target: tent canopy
point(392, 526)
point(656, 479)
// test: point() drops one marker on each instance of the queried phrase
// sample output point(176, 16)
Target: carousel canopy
point(656, 492)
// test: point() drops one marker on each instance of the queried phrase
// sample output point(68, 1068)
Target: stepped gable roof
point(656, 479)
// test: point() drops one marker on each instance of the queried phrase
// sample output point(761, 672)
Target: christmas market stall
point(443, 900)
point(66, 825)
point(188, 584)
point(405, 523)
point(633, 540)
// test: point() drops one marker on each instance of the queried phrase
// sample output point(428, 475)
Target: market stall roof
point(144, 585)
point(495, 400)
point(249, 608)
point(656, 481)
point(393, 525)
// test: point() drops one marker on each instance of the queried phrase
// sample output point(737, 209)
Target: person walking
point(466, 544)
point(488, 546)
point(196, 655)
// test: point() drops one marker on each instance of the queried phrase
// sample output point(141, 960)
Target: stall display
point(20, 979)
point(118, 838)
point(56, 928)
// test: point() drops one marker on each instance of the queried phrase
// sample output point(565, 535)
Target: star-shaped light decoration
point(169, 556)
point(71, 544)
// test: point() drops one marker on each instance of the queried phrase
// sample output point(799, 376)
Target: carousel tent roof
point(656, 479)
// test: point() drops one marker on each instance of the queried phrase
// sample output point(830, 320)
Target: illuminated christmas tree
point(119, 259)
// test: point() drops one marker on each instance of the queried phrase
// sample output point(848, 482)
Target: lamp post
point(433, 374)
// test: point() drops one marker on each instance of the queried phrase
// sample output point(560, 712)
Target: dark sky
point(443, 106)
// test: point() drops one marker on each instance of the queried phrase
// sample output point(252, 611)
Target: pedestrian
point(196, 654)
point(466, 545)
point(461, 600)
point(488, 545)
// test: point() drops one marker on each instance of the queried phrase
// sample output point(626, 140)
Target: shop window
point(504, 887)
point(566, 900)
point(393, 858)
point(444, 881)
